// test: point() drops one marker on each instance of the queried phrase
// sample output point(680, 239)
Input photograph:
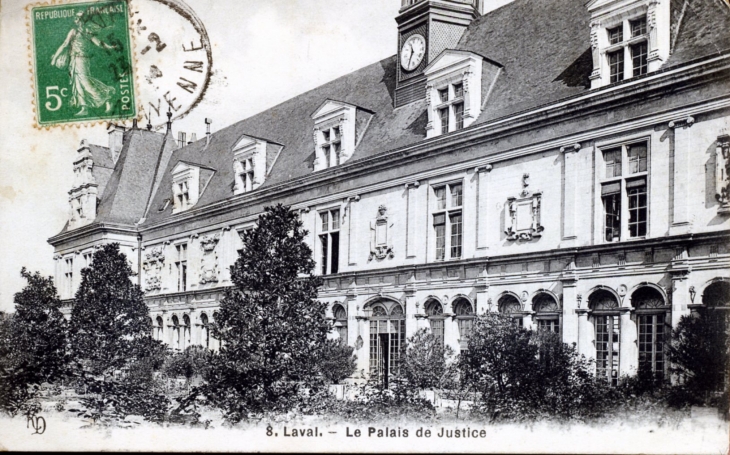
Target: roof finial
point(169, 119)
point(134, 123)
point(149, 122)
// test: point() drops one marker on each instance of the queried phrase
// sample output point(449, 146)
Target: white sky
point(264, 52)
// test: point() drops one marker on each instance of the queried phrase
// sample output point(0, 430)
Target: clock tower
point(425, 29)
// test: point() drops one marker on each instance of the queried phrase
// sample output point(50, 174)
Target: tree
point(427, 364)
point(32, 341)
point(526, 374)
point(271, 326)
point(337, 361)
point(110, 341)
point(700, 353)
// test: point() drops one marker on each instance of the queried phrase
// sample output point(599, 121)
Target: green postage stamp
point(82, 61)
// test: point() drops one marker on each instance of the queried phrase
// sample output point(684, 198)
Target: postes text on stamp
point(82, 61)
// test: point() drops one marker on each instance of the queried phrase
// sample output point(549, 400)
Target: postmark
point(82, 62)
point(173, 58)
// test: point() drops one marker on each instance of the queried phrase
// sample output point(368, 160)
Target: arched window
point(175, 332)
point(159, 328)
point(547, 312)
point(435, 313)
point(607, 321)
point(338, 311)
point(653, 319)
point(716, 301)
point(511, 306)
point(205, 326)
point(186, 331)
point(464, 312)
point(387, 336)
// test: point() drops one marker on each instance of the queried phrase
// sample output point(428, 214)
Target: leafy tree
point(337, 361)
point(193, 361)
point(700, 354)
point(426, 363)
point(271, 326)
point(526, 374)
point(110, 341)
point(32, 342)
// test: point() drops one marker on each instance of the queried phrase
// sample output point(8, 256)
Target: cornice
point(93, 228)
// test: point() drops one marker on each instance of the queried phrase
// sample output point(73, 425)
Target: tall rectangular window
point(444, 116)
point(437, 330)
point(329, 240)
point(181, 265)
point(637, 207)
point(639, 61)
point(69, 277)
point(651, 342)
point(608, 336)
point(624, 191)
point(331, 146)
point(616, 65)
point(458, 116)
point(447, 221)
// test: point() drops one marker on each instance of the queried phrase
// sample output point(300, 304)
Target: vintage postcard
point(488, 226)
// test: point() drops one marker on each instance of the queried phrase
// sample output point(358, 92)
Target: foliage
point(113, 353)
point(427, 364)
point(700, 355)
point(193, 361)
point(272, 328)
point(522, 374)
point(337, 361)
point(32, 342)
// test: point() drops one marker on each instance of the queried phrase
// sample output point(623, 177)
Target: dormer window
point(252, 160)
point(188, 183)
point(338, 128)
point(629, 39)
point(454, 90)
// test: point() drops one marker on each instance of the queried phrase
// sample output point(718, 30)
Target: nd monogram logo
point(38, 423)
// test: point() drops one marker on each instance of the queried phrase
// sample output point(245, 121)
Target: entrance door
point(387, 336)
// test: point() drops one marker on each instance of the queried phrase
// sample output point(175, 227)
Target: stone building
point(561, 161)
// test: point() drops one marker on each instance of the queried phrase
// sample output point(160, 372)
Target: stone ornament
point(209, 261)
point(381, 245)
point(154, 261)
point(522, 214)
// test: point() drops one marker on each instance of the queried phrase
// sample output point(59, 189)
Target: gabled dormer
point(629, 38)
point(456, 86)
point(188, 183)
point(252, 161)
point(83, 196)
point(338, 128)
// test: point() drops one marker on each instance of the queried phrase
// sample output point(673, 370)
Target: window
point(387, 337)
point(181, 266)
point(447, 221)
point(69, 277)
point(176, 339)
point(88, 259)
point(716, 303)
point(435, 313)
point(186, 331)
point(331, 144)
point(244, 175)
point(547, 312)
point(329, 239)
point(183, 194)
point(464, 312)
point(627, 49)
point(205, 327)
point(511, 306)
point(159, 328)
point(652, 319)
point(451, 110)
point(340, 316)
point(607, 323)
point(624, 192)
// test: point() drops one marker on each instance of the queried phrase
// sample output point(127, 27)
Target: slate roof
point(542, 45)
point(103, 166)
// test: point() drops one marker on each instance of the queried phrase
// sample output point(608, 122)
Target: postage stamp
point(82, 62)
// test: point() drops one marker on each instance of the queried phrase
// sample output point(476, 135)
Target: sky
point(264, 52)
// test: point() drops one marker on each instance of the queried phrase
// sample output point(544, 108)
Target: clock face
point(412, 52)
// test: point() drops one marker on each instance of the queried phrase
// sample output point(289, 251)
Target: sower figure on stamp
point(77, 51)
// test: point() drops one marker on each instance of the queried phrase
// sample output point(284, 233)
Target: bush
point(338, 361)
point(426, 363)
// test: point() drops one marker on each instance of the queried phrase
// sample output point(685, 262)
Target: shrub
point(338, 361)
point(426, 363)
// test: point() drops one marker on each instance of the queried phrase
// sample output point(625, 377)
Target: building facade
point(575, 177)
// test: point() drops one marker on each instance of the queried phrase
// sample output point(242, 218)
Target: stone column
point(570, 162)
point(353, 239)
point(680, 294)
point(482, 222)
point(412, 206)
point(571, 303)
point(680, 181)
point(629, 349)
point(585, 334)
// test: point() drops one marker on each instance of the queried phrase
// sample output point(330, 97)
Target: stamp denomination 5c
point(82, 62)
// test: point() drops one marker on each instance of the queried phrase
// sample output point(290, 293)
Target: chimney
point(180, 139)
point(116, 140)
point(193, 138)
point(208, 121)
